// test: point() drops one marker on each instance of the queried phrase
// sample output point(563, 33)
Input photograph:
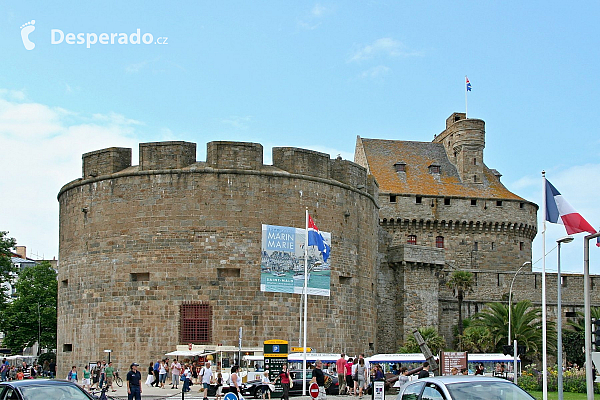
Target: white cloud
point(318, 10)
point(135, 68)
point(43, 148)
point(237, 121)
point(375, 72)
point(383, 47)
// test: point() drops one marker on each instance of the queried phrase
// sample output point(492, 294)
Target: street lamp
point(566, 239)
point(510, 297)
point(108, 351)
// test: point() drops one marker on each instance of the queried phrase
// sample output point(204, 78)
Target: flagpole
point(544, 345)
point(305, 301)
point(466, 104)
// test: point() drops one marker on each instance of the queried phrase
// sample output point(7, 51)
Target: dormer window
point(400, 166)
point(434, 169)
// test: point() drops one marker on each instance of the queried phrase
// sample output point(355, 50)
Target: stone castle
point(168, 252)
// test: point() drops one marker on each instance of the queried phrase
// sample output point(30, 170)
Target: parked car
point(462, 387)
point(42, 389)
point(252, 388)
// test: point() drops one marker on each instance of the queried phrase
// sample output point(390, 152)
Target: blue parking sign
point(230, 396)
point(275, 348)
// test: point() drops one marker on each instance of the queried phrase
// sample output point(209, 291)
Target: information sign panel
point(275, 355)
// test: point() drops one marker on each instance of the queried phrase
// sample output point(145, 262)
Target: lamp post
point(566, 239)
point(108, 351)
point(510, 298)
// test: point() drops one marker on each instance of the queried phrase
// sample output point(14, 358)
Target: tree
point(526, 326)
point(477, 339)
point(432, 338)
point(579, 324)
point(7, 269)
point(32, 313)
point(460, 282)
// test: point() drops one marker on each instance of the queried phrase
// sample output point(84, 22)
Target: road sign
point(313, 390)
point(275, 354)
point(230, 396)
point(300, 349)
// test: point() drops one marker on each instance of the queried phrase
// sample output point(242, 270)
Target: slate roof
point(381, 156)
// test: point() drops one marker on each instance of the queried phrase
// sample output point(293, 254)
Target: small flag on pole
point(558, 211)
point(468, 84)
point(316, 239)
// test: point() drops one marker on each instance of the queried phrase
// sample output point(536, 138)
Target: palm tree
point(477, 339)
point(526, 325)
point(432, 339)
point(579, 324)
point(460, 282)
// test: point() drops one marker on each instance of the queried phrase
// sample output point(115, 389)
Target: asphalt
point(154, 393)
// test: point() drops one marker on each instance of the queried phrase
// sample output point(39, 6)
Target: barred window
point(195, 323)
point(412, 239)
point(439, 242)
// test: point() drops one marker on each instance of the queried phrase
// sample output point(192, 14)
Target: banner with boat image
point(282, 262)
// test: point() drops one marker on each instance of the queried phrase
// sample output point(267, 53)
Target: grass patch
point(566, 396)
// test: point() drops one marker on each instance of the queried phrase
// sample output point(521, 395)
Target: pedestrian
point(424, 373)
point(134, 387)
point(235, 382)
point(187, 378)
point(355, 375)
point(220, 386)
point(20, 374)
point(86, 381)
point(285, 379)
point(96, 375)
point(102, 374)
point(72, 376)
point(362, 373)
point(454, 371)
point(403, 377)
point(4, 370)
point(150, 378)
point(480, 370)
point(109, 372)
point(340, 367)
point(52, 370)
point(155, 371)
point(264, 387)
point(206, 374)
point(175, 371)
point(349, 381)
point(162, 373)
point(318, 377)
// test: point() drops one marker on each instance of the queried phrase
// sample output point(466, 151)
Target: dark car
point(42, 389)
point(462, 387)
point(252, 388)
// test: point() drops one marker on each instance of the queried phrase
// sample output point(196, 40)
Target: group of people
point(11, 372)
point(101, 375)
point(353, 374)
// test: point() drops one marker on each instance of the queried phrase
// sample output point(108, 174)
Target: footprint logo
point(26, 29)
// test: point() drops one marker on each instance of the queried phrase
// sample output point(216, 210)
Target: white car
point(462, 387)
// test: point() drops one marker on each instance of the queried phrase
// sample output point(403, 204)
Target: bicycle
point(118, 380)
point(101, 394)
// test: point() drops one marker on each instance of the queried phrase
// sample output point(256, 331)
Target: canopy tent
point(189, 353)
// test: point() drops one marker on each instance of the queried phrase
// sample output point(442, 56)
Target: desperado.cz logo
point(57, 36)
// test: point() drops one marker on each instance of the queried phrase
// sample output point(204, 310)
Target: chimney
point(21, 251)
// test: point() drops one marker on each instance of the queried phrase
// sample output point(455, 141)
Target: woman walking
point(361, 371)
point(235, 381)
point(285, 379)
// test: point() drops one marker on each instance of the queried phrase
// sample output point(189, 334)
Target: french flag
point(558, 211)
point(316, 239)
point(468, 84)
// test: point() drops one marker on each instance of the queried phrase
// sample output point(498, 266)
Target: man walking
point(175, 371)
point(340, 367)
point(110, 373)
point(424, 373)
point(319, 377)
point(102, 374)
point(134, 387)
point(156, 371)
point(206, 374)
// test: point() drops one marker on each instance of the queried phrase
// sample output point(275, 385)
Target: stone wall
point(135, 244)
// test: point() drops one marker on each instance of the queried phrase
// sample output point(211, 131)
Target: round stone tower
point(140, 244)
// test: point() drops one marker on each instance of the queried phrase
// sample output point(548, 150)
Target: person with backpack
point(206, 376)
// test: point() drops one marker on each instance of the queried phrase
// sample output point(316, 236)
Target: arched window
point(439, 242)
point(412, 239)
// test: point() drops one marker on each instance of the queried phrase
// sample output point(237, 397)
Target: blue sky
point(306, 74)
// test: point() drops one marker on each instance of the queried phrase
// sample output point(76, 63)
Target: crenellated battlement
point(226, 155)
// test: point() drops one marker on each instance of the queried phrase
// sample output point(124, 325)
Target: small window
point(475, 246)
point(474, 278)
point(400, 167)
point(64, 283)
point(498, 279)
point(535, 281)
point(473, 202)
point(439, 242)
point(521, 205)
point(392, 198)
point(474, 178)
point(447, 201)
point(498, 203)
point(67, 347)
point(492, 245)
point(412, 239)
point(521, 245)
point(474, 161)
point(563, 281)
point(140, 276)
point(571, 314)
point(228, 273)
point(418, 200)
point(345, 280)
point(434, 169)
